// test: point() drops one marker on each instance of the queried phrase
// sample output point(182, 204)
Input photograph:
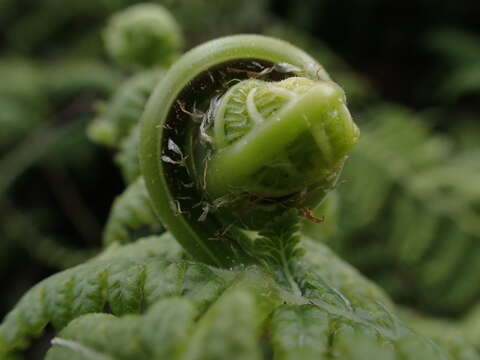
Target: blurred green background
point(407, 213)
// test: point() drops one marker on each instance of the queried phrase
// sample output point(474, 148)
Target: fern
point(408, 220)
point(125, 283)
point(150, 246)
point(337, 307)
point(325, 271)
point(127, 156)
point(446, 333)
point(154, 335)
point(131, 215)
point(142, 298)
point(117, 118)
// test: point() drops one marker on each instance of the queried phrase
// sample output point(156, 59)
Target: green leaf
point(127, 156)
point(154, 335)
point(124, 285)
point(164, 246)
point(231, 328)
point(445, 332)
point(116, 119)
point(241, 313)
point(300, 332)
point(131, 216)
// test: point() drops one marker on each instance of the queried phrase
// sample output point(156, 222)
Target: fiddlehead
point(144, 35)
point(239, 130)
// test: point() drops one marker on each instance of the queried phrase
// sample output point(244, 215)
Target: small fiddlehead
point(143, 35)
point(239, 130)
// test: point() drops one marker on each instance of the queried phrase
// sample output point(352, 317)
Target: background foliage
point(407, 213)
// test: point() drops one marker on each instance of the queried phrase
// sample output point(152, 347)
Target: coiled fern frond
point(275, 292)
